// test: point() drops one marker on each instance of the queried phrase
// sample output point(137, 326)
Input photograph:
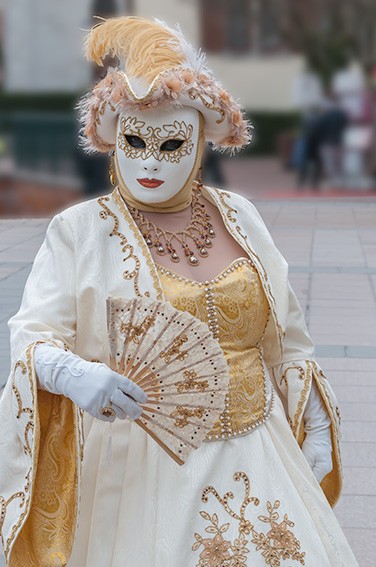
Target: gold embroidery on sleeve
point(27, 445)
point(300, 369)
point(21, 409)
point(25, 500)
point(229, 209)
point(31, 433)
point(277, 545)
point(20, 364)
point(28, 442)
point(304, 374)
point(3, 508)
point(303, 399)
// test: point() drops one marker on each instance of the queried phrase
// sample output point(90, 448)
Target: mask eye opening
point(171, 145)
point(135, 141)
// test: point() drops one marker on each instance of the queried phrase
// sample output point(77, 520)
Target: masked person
point(250, 494)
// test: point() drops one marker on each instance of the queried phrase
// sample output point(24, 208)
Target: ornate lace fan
point(174, 358)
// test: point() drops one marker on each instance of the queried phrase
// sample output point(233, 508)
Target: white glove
point(317, 446)
point(90, 385)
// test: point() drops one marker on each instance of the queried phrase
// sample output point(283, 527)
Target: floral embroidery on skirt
point(276, 545)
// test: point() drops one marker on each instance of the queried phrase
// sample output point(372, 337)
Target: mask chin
point(157, 157)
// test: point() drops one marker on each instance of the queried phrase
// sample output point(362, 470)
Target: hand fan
point(174, 358)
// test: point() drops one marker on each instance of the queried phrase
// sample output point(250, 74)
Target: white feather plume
point(196, 59)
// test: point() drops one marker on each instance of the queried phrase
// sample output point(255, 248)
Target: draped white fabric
point(139, 508)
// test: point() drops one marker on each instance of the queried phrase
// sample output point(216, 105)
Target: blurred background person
point(331, 127)
point(371, 155)
point(213, 168)
point(350, 87)
point(308, 99)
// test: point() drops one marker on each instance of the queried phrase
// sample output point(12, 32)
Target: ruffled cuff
point(294, 381)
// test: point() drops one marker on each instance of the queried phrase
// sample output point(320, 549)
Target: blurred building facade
point(43, 44)
point(259, 49)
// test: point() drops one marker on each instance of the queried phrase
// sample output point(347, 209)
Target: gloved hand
point(90, 385)
point(317, 446)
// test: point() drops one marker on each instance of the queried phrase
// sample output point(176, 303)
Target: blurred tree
point(1, 47)
point(330, 32)
point(108, 8)
point(225, 25)
point(104, 8)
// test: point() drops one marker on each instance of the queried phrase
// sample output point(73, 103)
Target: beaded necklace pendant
point(198, 233)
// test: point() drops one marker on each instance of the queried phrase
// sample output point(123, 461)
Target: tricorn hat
point(158, 68)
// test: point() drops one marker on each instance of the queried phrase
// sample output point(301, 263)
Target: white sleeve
point(294, 377)
point(48, 307)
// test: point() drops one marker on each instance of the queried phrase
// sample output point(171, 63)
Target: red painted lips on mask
point(150, 183)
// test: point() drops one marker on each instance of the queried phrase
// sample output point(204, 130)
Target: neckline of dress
point(226, 271)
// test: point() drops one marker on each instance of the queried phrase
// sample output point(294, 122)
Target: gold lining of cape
point(332, 482)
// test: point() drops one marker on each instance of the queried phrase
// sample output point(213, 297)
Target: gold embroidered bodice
point(236, 310)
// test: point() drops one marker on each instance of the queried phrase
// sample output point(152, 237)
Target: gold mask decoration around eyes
point(154, 138)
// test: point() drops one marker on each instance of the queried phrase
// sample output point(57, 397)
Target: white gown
point(144, 510)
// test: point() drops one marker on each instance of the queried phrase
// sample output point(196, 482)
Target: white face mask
point(156, 152)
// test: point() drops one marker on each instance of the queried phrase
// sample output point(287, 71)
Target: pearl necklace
point(199, 231)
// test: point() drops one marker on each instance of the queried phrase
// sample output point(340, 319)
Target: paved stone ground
point(265, 178)
point(331, 249)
